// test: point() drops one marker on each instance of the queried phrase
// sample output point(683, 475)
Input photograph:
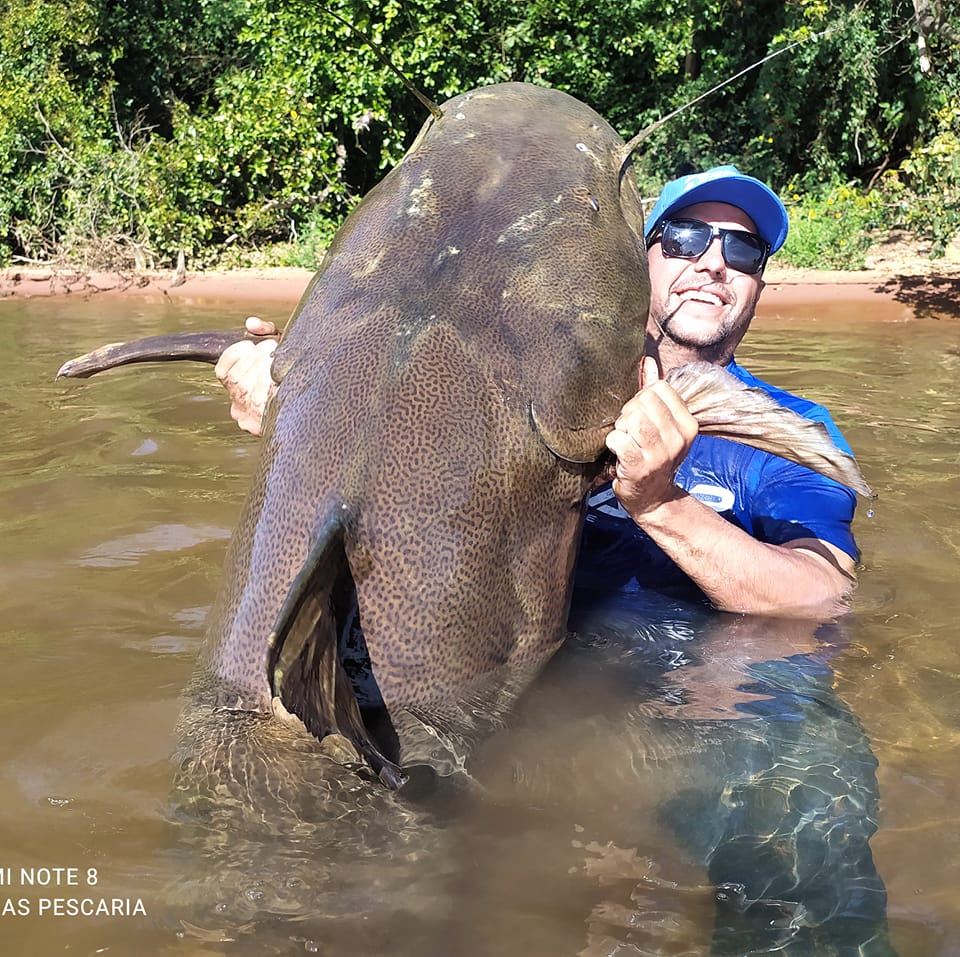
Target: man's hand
point(244, 371)
point(650, 439)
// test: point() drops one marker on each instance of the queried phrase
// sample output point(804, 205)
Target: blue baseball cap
point(725, 184)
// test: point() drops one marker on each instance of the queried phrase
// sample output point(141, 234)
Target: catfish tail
point(725, 407)
point(196, 346)
point(304, 665)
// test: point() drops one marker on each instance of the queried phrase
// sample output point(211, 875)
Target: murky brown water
point(117, 497)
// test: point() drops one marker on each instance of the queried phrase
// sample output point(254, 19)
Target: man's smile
point(711, 294)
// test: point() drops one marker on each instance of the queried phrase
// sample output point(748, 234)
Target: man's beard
point(708, 347)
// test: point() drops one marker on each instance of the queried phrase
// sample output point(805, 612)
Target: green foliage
point(310, 243)
point(838, 75)
point(829, 229)
point(131, 131)
point(923, 191)
point(83, 87)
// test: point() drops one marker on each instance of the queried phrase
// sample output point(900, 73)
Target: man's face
point(703, 304)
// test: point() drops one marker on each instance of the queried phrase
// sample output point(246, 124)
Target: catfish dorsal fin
point(726, 407)
point(304, 665)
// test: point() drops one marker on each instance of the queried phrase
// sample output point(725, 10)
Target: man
point(752, 532)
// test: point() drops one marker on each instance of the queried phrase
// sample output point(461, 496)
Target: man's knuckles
point(649, 426)
point(665, 398)
point(229, 358)
point(623, 446)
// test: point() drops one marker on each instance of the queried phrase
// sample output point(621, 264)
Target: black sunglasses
point(690, 239)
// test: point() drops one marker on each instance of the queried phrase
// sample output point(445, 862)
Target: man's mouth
point(704, 295)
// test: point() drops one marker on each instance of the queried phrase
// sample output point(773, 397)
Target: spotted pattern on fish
point(473, 283)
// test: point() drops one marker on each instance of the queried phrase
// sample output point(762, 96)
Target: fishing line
point(632, 145)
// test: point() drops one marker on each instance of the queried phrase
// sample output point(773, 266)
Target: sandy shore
point(923, 287)
point(255, 285)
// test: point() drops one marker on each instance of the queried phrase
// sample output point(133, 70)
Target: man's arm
point(244, 371)
point(651, 438)
point(806, 577)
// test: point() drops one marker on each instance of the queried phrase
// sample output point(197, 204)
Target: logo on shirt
point(605, 501)
point(717, 498)
point(714, 496)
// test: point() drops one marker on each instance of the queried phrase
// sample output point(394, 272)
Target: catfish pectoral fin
point(305, 668)
point(726, 407)
point(196, 346)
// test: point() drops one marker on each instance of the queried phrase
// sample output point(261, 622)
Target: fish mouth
point(578, 444)
point(305, 665)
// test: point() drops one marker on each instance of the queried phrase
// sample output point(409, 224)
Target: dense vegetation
point(132, 130)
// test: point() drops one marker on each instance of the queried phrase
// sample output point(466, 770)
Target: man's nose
point(712, 260)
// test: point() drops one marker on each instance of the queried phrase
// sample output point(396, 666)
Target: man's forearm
point(738, 573)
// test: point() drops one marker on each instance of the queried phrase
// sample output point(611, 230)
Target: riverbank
point(896, 275)
point(272, 284)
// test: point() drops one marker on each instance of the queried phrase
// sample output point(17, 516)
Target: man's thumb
point(649, 371)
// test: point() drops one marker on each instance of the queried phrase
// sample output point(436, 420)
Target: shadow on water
point(707, 775)
point(930, 297)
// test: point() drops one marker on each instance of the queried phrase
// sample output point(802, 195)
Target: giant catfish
point(446, 384)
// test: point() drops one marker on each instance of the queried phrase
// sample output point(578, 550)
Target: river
point(117, 499)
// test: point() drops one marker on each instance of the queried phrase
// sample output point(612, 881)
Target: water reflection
point(678, 782)
point(691, 755)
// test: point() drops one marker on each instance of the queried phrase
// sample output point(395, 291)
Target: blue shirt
point(774, 500)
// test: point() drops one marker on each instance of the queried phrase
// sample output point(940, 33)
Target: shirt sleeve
point(794, 502)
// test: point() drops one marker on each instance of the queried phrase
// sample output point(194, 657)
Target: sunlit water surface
point(117, 498)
